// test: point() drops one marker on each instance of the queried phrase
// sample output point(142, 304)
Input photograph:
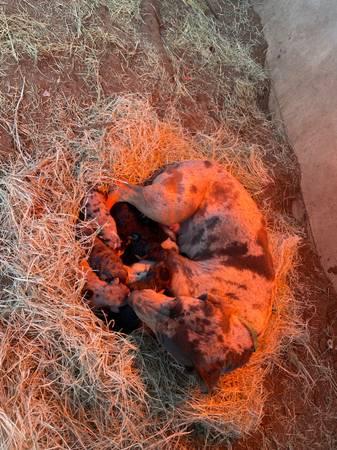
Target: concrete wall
point(302, 60)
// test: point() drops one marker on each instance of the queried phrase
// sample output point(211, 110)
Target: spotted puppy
point(106, 263)
point(101, 294)
point(224, 252)
point(98, 212)
point(105, 273)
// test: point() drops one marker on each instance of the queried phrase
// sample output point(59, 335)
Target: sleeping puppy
point(106, 263)
point(105, 290)
point(106, 275)
point(141, 237)
point(109, 301)
point(224, 251)
point(125, 230)
point(97, 211)
point(101, 294)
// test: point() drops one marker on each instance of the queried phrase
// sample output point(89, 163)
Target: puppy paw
point(109, 235)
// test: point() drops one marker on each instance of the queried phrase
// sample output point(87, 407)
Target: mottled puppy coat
point(101, 294)
point(223, 252)
point(106, 263)
point(97, 211)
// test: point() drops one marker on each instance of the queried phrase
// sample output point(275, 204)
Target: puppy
point(141, 237)
point(106, 263)
point(101, 294)
point(109, 301)
point(224, 252)
point(107, 276)
point(96, 210)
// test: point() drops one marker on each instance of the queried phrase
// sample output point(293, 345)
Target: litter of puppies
point(207, 297)
point(120, 390)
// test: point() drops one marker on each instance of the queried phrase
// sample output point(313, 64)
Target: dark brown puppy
point(140, 236)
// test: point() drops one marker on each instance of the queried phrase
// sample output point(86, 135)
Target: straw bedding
point(69, 382)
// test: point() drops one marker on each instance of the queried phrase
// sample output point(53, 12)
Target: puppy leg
point(166, 203)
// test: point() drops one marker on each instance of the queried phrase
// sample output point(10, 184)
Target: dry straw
point(67, 381)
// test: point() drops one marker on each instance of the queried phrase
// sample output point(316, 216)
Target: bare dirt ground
point(54, 55)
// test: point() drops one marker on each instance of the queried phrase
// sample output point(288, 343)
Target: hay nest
point(67, 381)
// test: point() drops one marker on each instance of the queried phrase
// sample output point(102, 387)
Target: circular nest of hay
point(69, 382)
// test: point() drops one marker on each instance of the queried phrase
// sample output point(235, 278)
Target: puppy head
point(211, 338)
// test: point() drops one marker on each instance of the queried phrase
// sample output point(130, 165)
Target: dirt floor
point(300, 412)
point(45, 71)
